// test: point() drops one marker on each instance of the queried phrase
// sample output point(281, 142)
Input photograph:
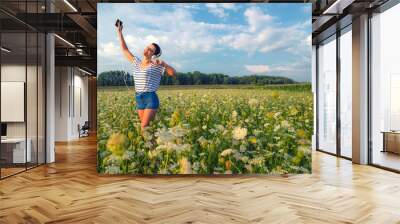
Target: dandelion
point(239, 133)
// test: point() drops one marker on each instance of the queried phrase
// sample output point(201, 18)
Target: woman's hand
point(160, 62)
point(119, 26)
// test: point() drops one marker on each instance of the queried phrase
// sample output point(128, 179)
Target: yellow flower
point(116, 144)
point(253, 139)
point(175, 118)
point(185, 166)
point(301, 133)
point(228, 165)
point(275, 94)
point(293, 111)
point(270, 114)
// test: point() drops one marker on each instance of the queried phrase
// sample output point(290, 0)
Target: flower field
point(207, 131)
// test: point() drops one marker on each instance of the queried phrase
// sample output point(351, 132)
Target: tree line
point(121, 78)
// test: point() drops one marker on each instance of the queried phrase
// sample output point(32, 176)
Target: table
point(16, 147)
point(391, 141)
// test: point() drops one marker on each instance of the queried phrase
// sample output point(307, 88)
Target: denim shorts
point(146, 100)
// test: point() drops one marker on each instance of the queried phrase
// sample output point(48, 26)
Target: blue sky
point(234, 39)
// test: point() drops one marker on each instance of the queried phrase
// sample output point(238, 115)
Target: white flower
point(245, 159)
point(242, 148)
point(165, 136)
point(234, 114)
point(239, 133)
point(257, 161)
point(152, 153)
point(148, 144)
point(253, 102)
point(181, 148)
point(113, 169)
point(226, 152)
point(178, 131)
point(219, 127)
point(256, 132)
point(277, 114)
point(285, 124)
point(203, 142)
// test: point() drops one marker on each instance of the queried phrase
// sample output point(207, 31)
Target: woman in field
point(147, 76)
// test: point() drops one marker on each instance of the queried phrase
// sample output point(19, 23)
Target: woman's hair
point(157, 52)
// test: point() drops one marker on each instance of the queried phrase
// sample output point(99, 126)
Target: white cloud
point(265, 34)
point(257, 68)
point(109, 49)
point(176, 64)
point(256, 18)
point(219, 9)
point(278, 69)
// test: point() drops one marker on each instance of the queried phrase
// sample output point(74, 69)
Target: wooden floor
point(70, 191)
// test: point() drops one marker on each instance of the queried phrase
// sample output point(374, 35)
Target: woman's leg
point(140, 113)
point(148, 115)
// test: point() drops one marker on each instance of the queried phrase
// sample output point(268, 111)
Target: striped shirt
point(147, 79)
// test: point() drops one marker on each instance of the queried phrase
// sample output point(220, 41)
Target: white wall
point(70, 83)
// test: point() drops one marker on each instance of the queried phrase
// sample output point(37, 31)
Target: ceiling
point(75, 21)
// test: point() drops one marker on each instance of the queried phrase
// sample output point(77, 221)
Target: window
point(385, 88)
point(346, 92)
point(327, 95)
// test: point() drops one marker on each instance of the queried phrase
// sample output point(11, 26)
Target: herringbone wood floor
point(70, 191)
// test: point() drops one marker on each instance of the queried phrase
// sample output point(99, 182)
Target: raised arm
point(168, 69)
point(124, 48)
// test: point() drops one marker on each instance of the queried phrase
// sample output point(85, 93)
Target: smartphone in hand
point(118, 23)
